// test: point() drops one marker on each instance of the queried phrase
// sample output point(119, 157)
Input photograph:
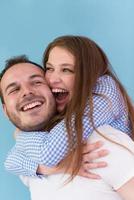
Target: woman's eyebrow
point(62, 64)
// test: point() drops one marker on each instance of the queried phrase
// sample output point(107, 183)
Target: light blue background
point(27, 26)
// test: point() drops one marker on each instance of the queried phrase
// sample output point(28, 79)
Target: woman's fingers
point(93, 165)
point(88, 175)
point(91, 156)
point(85, 169)
point(87, 147)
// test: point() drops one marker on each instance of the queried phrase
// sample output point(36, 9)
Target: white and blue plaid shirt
point(49, 148)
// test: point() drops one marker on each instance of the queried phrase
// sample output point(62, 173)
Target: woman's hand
point(89, 155)
point(42, 169)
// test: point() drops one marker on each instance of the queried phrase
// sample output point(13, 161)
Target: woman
point(78, 64)
point(88, 68)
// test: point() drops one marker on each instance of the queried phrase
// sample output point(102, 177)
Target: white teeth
point(31, 105)
point(56, 90)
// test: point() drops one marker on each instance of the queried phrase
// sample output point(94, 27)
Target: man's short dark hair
point(13, 61)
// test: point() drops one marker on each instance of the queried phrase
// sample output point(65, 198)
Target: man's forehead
point(20, 72)
point(24, 69)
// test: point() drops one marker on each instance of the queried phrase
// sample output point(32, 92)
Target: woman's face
point(60, 75)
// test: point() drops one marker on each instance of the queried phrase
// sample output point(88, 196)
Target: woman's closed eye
point(49, 69)
point(68, 70)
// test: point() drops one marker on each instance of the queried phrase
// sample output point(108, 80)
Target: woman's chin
point(61, 108)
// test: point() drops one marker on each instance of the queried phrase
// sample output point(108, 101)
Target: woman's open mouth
point(61, 95)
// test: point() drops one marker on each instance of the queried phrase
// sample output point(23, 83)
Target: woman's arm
point(90, 153)
point(50, 148)
point(15, 161)
point(54, 146)
point(17, 158)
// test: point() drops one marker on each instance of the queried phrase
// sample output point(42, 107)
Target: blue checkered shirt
point(49, 148)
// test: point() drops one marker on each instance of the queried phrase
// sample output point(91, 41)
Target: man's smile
point(31, 105)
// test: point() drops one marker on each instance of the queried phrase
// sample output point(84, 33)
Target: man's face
point(28, 101)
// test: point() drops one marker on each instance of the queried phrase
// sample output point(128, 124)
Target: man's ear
point(4, 109)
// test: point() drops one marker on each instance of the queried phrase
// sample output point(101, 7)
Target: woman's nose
point(54, 78)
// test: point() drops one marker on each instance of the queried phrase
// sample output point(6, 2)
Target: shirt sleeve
point(108, 106)
point(47, 148)
point(18, 163)
point(50, 148)
point(34, 148)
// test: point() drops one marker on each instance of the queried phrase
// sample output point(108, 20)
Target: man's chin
point(27, 124)
point(28, 127)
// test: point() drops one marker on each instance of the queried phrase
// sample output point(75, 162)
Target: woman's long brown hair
point(90, 63)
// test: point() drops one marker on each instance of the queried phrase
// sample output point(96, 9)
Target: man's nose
point(26, 91)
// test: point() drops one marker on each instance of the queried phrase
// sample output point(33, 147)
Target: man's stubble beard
point(28, 128)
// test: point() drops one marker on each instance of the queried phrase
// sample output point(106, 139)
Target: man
point(26, 95)
point(29, 104)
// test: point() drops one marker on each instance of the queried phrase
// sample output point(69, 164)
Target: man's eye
point(13, 90)
point(38, 82)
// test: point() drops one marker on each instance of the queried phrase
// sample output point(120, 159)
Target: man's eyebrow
point(37, 76)
point(14, 84)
